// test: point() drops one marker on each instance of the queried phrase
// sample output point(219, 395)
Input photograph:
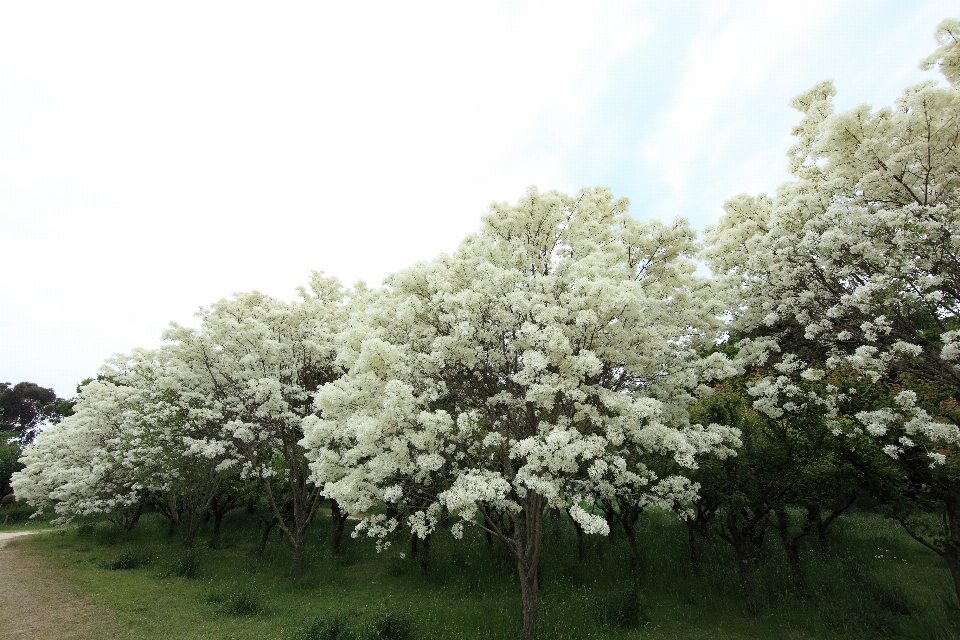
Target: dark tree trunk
point(634, 554)
point(791, 545)
point(296, 567)
point(740, 541)
point(266, 535)
point(424, 555)
point(339, 523)
point(528, 557)
point(581, 553)
point(692, 544)
point(529, 593)
point(217, 522)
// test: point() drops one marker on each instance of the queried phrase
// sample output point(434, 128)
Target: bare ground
point(35, 604)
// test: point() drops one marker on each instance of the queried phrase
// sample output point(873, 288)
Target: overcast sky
point(158, 156)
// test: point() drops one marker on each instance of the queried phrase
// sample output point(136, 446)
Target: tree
point(24, 407)
point(97, 460)
point(530, 369)
point(130, 441)
point(854, 266)
point(252, 369)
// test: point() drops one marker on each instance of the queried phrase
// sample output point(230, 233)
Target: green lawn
point(872, 581)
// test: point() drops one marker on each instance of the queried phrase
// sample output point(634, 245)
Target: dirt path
point(35, 604)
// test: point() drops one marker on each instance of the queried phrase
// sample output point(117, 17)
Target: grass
point(872, 581)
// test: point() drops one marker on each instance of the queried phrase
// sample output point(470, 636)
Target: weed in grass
point(237, 602)
point(187, 566)
point(390, 625)
point(325, 628)
point(124, 561)
point(397, 566)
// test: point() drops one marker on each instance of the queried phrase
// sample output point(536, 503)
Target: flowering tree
point(105, 458)
point(530, 369)
point(252, 368)
point(854, 267)
point(128, 442)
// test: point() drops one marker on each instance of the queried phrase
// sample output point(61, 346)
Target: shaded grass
point(871, 581)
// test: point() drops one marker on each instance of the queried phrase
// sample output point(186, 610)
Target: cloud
point(159, 156)
point(731, 56)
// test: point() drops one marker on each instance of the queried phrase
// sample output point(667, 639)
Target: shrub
point(126, 560)
point(188, 566)
point(325, 628)
point(392, 626)
point(15, 511)
point(242, 602)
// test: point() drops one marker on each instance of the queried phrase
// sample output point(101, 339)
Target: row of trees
point(568, 356)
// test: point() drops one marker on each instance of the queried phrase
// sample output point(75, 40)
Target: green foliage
point(13, 512)
point(187, 566)
point(246, 601)
point(390, 625)
point(24, 407)
point(333, 627)
point(125, 560)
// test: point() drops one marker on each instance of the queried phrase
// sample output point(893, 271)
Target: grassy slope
point(872, 582)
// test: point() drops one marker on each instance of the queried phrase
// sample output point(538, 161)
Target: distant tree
point(24, 407)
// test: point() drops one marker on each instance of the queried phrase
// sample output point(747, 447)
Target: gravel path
point(35, 604)
point(10, 535)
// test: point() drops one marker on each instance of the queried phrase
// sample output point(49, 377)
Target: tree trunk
point(634, 554)
point(266, 535)
point(424, 555)
point(339, 522)
point(744, 564)
point(692, 544)
point(296, 567)
point(529, 587)
point(217, 521)
point(528, 558)
point(580, 550)
point(791, 545)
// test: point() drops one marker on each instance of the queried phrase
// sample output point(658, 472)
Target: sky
point(158, 156)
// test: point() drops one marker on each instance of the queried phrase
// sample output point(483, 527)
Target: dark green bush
point(14, 512)
point(124, 561)
point(187, 566)
point(392, 626)
point(325, 628)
